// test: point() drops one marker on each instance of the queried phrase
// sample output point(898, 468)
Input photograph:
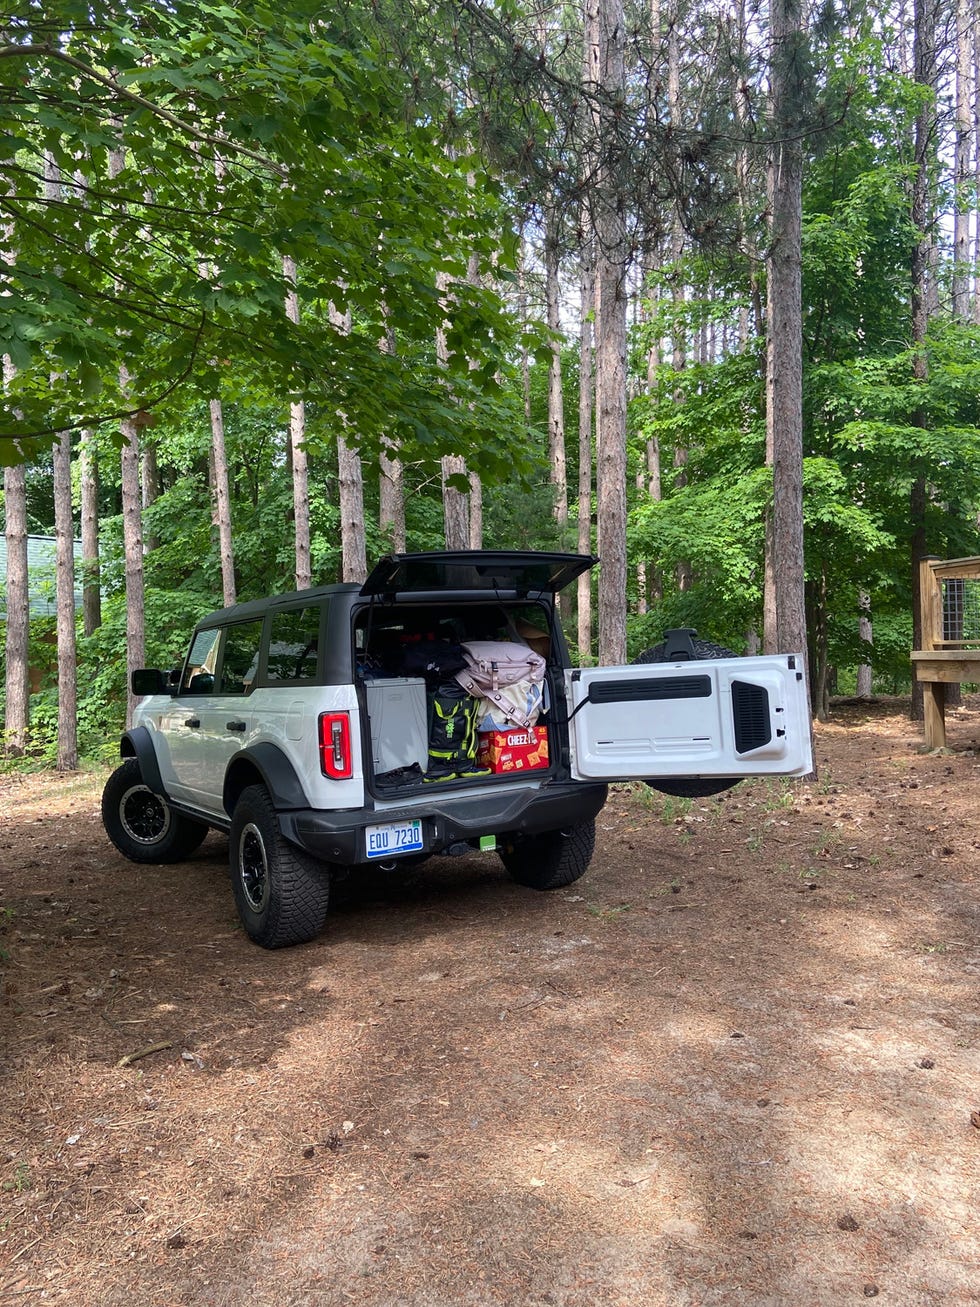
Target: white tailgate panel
point(719, 717)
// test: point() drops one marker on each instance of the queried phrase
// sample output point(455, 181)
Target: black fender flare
point(138, 743)
point(277, 773)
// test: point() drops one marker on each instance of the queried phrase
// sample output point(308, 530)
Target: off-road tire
point(702, 649)
point(282, 894)
point(688, 787)
point(550, 860)
point(142, 825)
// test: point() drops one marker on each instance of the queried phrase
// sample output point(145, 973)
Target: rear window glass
point(293, 645)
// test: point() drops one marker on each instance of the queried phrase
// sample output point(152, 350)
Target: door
point(719, 717)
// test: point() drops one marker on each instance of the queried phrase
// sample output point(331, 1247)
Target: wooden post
point(930, 604)
point(931, 624)
point(934, 713)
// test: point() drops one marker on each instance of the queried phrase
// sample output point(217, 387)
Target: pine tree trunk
point(608, 73)
point(391, 514)
point(300, 466)
point(522, 322)
point(556, 403)
point(351, 484)
point(65, 607)
point(222, 503)
point(784, 372)
point(925, 72)
point(132, 516)
point(91, 569)
point(585, 405)
point(962, 206)
point(18, 680)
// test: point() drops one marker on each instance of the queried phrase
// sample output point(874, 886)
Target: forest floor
point(737, 1063)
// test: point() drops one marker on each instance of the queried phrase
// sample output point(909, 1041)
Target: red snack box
point(515, 749)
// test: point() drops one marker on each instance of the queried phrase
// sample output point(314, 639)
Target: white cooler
point(399, 723)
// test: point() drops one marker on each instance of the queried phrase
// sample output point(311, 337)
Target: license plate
point(393, 837)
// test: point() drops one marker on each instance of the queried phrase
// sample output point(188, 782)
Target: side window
point(240, 660)
point(293, 645)
point(198, 677)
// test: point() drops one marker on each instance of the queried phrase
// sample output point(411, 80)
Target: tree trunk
point(65, 607)
point(784, 333)
point(222, 503)
point(150, 486)
point(585, 403)
point(18, 680)
point(522, 321)
point(351, 485)
point(391, 514)
point(455, 504)
point(91, 569)
point(608, 75)
point(924, 65)
point(865, 632)
point(392, 502)
point(297, 448)
point(350, 482)
point(962, 205)
point(132, 505)
point(556, 403)
point(476, 512)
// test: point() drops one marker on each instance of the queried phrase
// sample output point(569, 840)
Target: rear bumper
point(446, 820)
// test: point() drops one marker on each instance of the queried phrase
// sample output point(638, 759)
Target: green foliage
point(224, 139)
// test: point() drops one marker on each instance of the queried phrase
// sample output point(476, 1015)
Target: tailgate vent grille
point(644, 690)
point(750, 709)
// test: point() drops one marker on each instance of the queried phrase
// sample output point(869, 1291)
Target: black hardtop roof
point(288, 599)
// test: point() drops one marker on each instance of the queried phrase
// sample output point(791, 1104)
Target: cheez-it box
point(515, 749)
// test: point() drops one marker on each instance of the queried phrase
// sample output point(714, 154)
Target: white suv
point(305, 726)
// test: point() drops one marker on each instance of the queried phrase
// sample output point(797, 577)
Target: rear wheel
point(689, 787)
point(552, 859)
point(141, 824)
point(281, 893)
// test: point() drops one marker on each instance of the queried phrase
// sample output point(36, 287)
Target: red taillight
point(335, 755)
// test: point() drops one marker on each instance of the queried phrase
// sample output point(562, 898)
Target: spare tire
point(689, 787)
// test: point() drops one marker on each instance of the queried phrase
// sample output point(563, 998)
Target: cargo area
point(454, 694)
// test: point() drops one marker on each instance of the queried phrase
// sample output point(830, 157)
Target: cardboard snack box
point(515, 749)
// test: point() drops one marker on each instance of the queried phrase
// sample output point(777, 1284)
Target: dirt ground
point(737, 1063)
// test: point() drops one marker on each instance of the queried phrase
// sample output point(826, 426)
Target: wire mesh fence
point(961, 610)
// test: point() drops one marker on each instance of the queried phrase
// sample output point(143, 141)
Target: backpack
point(452, 730)
point(507, 680)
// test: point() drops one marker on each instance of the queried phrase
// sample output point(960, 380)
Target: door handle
point(193, 721)
point(236, 726)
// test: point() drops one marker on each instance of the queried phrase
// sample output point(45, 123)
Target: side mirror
point(148, 680)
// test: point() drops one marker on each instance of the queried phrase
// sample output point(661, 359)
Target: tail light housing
point(336, 760)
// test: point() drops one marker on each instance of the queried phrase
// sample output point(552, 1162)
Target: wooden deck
point(937, 668)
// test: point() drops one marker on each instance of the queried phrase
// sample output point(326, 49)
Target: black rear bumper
point(446, 820)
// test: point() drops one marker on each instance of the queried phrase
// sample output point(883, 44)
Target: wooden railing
point(946, 656)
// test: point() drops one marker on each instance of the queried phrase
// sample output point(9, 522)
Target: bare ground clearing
point(735, 1064)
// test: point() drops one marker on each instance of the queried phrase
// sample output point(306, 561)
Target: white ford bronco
point(326, 729)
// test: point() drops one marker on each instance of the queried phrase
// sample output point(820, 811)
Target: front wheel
point(281, 893)
point(550, 860)
point(141, 824)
